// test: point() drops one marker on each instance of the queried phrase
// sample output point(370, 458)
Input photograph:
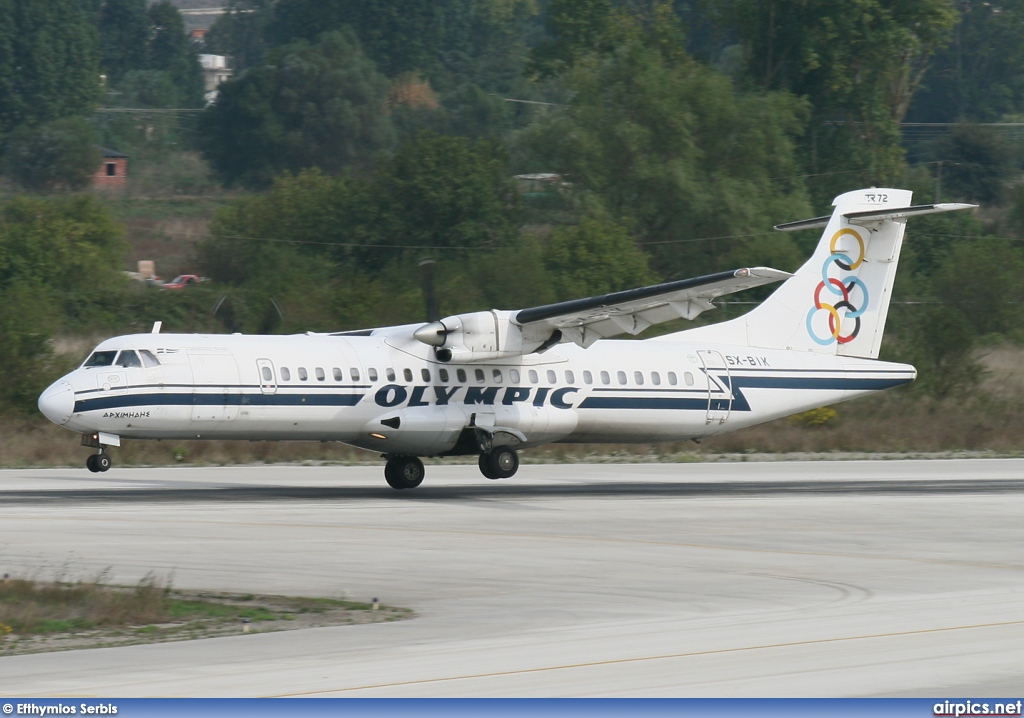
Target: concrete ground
point(865, 578)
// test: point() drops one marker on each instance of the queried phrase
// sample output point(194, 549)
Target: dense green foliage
point(320, 104)
point(49, 56)
point(51, 156)
point(373, 134)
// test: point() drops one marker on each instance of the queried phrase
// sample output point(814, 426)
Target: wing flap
point(633, 310)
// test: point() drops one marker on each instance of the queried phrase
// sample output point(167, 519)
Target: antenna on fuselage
point(156, 327)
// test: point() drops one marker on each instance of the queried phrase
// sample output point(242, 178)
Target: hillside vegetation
point(354, 141)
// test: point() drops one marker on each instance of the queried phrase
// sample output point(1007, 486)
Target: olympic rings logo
point(840, 291)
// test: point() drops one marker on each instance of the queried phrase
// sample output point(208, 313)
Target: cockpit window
point(128, 358)
point(148, 359)
point(100, 359)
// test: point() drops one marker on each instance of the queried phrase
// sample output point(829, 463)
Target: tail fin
point(838, 301)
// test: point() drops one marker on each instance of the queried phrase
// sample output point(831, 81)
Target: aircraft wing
point(486, 336)
point(584, 321)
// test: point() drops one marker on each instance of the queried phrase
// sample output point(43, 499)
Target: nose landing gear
point(98, 462)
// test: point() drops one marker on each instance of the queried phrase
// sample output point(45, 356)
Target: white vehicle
point(490, 383)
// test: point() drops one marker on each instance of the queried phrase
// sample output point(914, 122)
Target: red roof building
point(113, 173)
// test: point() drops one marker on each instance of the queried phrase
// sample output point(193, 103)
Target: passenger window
point(689, 378)
point(425, 373)
point(588, 378)
point(672, 378)
point(479, 374)
point(286, 374)
point(148, 360)
point(354, 373)
point(390, 373)
point(407, 373)
point(513, 376)
point(605, 378)
point(551, 377)
point(100, 359)
point(655, 378)
point(338, 376)
point(303, 376)
point(371, 374)
point(267, 374)
point(461, 374)
point(570, 378)
point(621, 376)
point(533, 377)
point(320, 376)
point(128, 358)
point(496, 373)
point(638, 377)
point(443, 373)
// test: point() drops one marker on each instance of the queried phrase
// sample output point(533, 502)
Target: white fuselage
point(387, 393)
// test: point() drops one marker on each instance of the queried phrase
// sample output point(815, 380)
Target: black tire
point(485, 466)
point(404, 472)
point(90, 463)
point(503, 462)
point(391, 475)
point(411, 472)
point(103, 462)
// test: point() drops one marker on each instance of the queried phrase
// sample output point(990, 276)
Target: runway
point(861, 578)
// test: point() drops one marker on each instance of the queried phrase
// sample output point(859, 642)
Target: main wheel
point(103, 462)
point(404, 472)
point(485, 466)
point(503, 461)
point(90, 463)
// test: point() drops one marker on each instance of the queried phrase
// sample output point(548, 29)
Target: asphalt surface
point(861, 578)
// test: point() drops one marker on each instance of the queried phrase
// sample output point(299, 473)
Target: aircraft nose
point(58, 402)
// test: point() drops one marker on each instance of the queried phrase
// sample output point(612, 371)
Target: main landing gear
point(500, 462)
point(97, 462)
point(406, 472)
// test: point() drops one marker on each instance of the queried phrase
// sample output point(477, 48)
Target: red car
point(180, 282)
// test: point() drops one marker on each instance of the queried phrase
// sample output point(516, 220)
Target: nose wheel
point(404, 472)
point(97, 463)
point(501, 462)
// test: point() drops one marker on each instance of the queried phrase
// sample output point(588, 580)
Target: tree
point(675, 154)
point(169, 51)
point(313, 105)
point(585, 28)
point(124, 31)
point(858, 62)
point(70, 247)
point(49, 62)
point(240, 32)
point(444, 191)
point(402, 36)
point(595, 257)
point(979, 76)
point(977, 163)
point(57, 155)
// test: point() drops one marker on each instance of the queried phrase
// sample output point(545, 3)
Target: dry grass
point(30, 607)
point(37, 616)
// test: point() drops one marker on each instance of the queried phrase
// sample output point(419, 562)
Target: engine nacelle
point(478, 336)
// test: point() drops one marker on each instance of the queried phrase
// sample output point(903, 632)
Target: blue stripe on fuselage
point(126, 400)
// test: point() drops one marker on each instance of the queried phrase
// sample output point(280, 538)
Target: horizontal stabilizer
point(875, 215)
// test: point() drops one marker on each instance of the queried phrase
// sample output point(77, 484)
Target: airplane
point(491, 383)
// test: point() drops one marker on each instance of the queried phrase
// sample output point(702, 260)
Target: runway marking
point(544, 537)
point(643, 659)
